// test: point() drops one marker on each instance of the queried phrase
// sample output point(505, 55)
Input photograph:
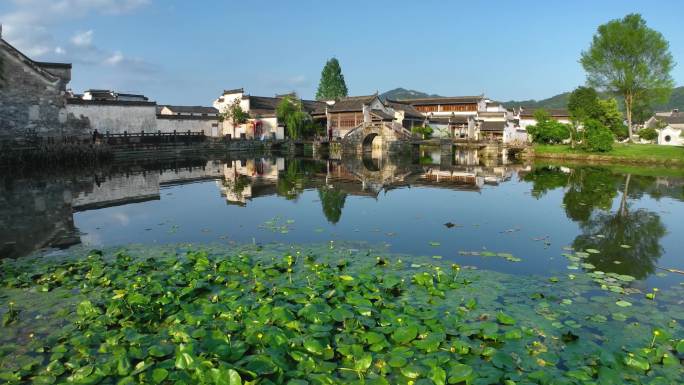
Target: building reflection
point(246, 178)
point(37, 210)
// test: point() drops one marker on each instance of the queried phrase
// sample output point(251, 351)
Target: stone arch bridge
point(392, 138)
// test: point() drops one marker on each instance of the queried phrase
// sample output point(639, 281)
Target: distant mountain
point(561, 101)
point(403, 93)
point(558, 101)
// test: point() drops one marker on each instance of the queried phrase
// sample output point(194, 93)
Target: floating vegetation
point(322, 315)
point(278, 225)
point(507, 256)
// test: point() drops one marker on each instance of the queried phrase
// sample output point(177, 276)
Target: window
point(459, 107)
point(426, 108)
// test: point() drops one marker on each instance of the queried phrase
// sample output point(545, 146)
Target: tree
point(629, 59)
point(289, 111)
point(611, 117)
point(597, 137)
point(235, 114)
point(583, 104)
point(332, 85)
point(649, 134)
point(425, 132)
point(547, 130)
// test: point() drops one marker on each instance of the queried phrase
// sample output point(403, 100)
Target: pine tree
point(332, 85)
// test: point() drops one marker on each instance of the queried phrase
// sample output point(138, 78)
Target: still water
point(514, 218)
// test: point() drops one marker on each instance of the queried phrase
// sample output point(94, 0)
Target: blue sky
point(186, 52)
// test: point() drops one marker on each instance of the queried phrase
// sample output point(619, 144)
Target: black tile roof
point(266, 106)
point(444, 100)
point(674, 118)
point(233, 91)
point(192, 109)
point(352, 103)
point(36, 66)
point(409, 110)
point(382, 115)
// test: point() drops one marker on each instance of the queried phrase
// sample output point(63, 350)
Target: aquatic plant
point(325, 315)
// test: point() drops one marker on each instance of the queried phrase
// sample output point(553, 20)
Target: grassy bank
point(621, 153)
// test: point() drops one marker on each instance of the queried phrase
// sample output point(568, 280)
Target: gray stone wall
point(32, 104)
point(115, 117)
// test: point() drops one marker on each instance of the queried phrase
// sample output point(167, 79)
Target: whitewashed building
point(263, 121)
point(670, 127)
point(452, 116)
point(115, 113)
point(188, 118)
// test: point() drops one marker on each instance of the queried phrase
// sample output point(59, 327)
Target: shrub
point(597, 137)
point(548, 130)
point(648, 134)
point(424, 131)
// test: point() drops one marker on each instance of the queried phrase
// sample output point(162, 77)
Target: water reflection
point(492, 204)
point(628, 239)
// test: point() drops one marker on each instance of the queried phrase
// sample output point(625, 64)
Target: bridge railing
point(185, 137)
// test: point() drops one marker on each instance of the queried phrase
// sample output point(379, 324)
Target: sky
point(187, 52)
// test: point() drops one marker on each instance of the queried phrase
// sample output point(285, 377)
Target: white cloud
point(115, 59)
point(29, 25)
point(83, 39)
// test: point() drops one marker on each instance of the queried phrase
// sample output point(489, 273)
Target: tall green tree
point(583, 104)
point(628, 58)
point(290, 112)
point(332, 85)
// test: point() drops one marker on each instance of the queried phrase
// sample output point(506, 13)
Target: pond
point(590, 239)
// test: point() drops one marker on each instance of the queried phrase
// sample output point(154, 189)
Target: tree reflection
point(639, 231)
point(628, 241)
point(589, 188)
point(545, 179)
point(332, 201)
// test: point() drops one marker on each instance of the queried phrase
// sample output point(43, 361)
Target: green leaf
point(161, 350)
point(438, 375)
point(636, 362)
point(184, 360)
point(363, 362)
point(623, 303)
point(505, 319)
point(314, 346)
point(680, 347)
point(225, 377)
point(159, 375)
point(460, 373)
point(405, 334)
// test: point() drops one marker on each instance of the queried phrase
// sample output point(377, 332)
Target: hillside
point(558, 101)
point(403, 93)
point(561, 101)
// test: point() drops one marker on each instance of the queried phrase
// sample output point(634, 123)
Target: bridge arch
point(361, 138)
point(371, 140)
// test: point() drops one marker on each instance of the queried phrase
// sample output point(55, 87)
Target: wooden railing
point(185, 137)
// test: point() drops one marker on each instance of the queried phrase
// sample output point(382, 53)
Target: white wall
point(674, 135)
point(117, 118)
point(513, 134)
point(194, 125)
